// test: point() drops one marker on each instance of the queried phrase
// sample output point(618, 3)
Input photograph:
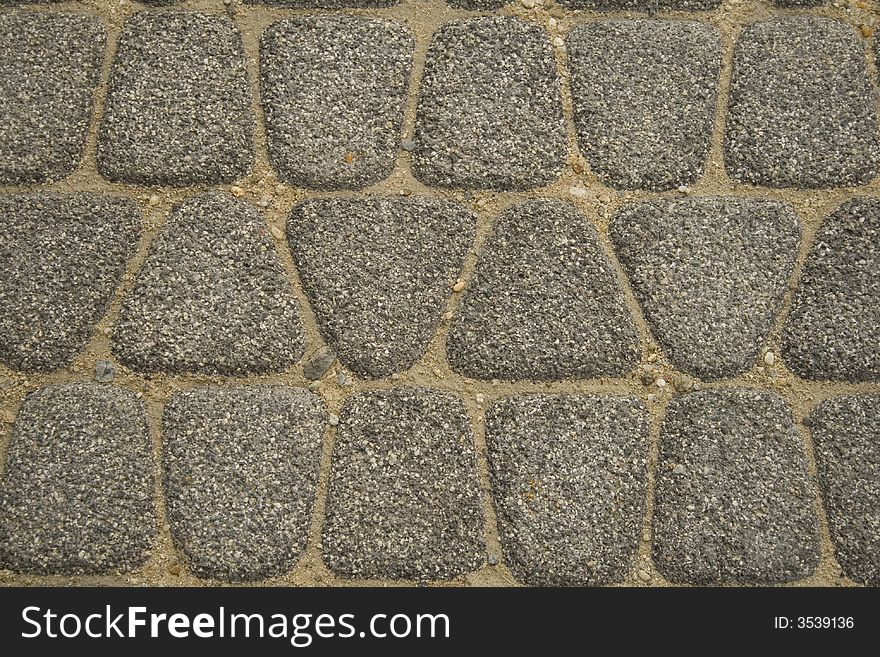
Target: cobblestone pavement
point(570, 292)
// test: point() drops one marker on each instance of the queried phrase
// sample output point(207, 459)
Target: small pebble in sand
point(661, 382)
point(528, 4)
point(459, 286)
point(236, 191)
point(154, 200)
point(333, 419)
point(558, 42)
point(769, 358)
point(277, 233)
point(579, 192)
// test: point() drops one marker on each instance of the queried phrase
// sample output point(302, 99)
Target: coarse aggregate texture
point(77, 493)
point(733, 501)
point(544, 303)
point(710, 274)
point(802, 111)
point(403, 498)
point(477, 5)
point(377, 272)
point(211, 297)
point(324, 4)
point(649, 6)
point(797, 4)
point(50, 65)
point(568, 477)
point(644, 95)
point(833, 329)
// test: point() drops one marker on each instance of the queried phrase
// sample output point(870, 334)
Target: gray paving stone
point(644, 94)
point(568, 477)
point(324, 4)
point(378, 272)
point(740, 509)
point(77, 494)
point(178, 102)
point(477, 5)
point(801, 110)
point(650, 6)
point(62, 258)
point(211, 297)
point(241, 468)
point(334, 91)
point(544, 303)
point(490, 113)
point(798, 3)
point(846, 439)
point(710, 275)
point(49, 67)
point(403, 498)
point(833, 329)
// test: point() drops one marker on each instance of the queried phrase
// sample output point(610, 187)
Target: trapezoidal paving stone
point(544, 302)
point(801, 110)
point(733, 501)
point(62, 258)
point(833, 329)
point(50, 65)
point(568, 476)
point(710, 275)
point(846, 441)
point(178, 108)
point(333, 93)
point(241, 469)
point(377, 272)
point(77, 495)
point(403, 498)
point(644, 95)
point(211, 297)
point(490, 111)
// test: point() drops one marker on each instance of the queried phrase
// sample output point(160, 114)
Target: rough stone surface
point(77, 493)
point(323, 4)
point(476, 5)
point(49, 67)
point(490, 111)
point(710, 275)
point(378, 272)
point(403, 498)
point(833, 329)
point(544, 303)
point(211, 297)
point(846, 439)
point(642, 5)
point(743, 510)
point(241, 468)
point(568, 479)
point(318, 363)
point(178, 108)
point(333, 91)
point(62, 257)
point(801, 110)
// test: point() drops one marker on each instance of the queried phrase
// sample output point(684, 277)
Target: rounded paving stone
point(710, 274)
point(733, 503)
point(403, 498)
point(241, 468)
point(544, 304)
point(833, 329)
point(490, 111)
point(801, 110)
point(846, 439)
point(211, 297)
point(62, 258)
point(178, 102)
point(77, 494)
point(50, 65)
point(378, 272)
point(568, 478)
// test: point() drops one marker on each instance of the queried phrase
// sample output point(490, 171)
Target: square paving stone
point(568, 477)
point(334, 92)
point(62, 258)
point(644, 94)
point(77, 495)
point(710, 274)
point(403, 498)
point(733, 503)
point(178, 102)
point(833, 329)
point(801, 111)
point(846, 439)
point(378, 273)
point(50, 65)
point(241, 468)
point(544, 303)
point(211, 297)
point(490, 112)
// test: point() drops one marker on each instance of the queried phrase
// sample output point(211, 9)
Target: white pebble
point(769, 358)
point(551, 23)
point(558, 42)
point(661, 382)
point(580, 192)
point(528, 4)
